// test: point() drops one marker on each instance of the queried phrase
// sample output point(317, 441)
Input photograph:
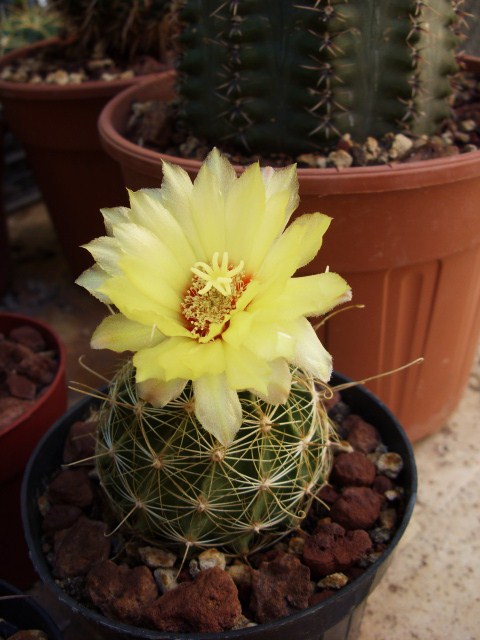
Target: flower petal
point(159, 393)
point(106, 252)
point(296, 247)
point(310, 354)
point(118, 333)
point(217, 407)
point(246, 370)
point(280, 382)
point(180, 358)
point(312, 295)
point(114, 215)
point(93, 280)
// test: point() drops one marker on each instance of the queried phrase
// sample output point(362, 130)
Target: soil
point(27, 368)
point(157, 126)
point(61, 64)
point(347, 528)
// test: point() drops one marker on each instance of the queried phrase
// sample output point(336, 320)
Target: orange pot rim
point(45, 329)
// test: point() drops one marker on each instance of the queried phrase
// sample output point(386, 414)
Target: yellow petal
point(159, 393)
point(208, 213)
point(244, 211)
point(180, 358)
point(282, 180)
point(118, 333)
point(313, 295)
point(149, 212)
point(217, 407)
point(222, 169)
point(296, 247)
point(135, 305)
point(310, 355)
point(114, 215)
point(278, 388)
point(246, 370)
point(106, 252)
point(93, 280)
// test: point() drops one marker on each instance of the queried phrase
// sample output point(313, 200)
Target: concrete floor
point(431, 590)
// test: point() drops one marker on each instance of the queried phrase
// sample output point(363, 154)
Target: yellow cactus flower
point(200, 275)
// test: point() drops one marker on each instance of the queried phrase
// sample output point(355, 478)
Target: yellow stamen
point(218, 276)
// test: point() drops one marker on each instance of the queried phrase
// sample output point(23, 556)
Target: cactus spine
point(170, 480)
point(282, 76)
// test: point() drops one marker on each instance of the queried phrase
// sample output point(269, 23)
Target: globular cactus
point(170, 480)
point(121, 29)
point(290, 76)
point(25, 23)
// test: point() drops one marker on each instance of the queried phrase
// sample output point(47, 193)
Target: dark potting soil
point(159, 126)
point(26, 370)
point(347, 528)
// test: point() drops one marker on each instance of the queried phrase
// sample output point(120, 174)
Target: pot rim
point(53, 337)
point(366, 578)
point(374, 178)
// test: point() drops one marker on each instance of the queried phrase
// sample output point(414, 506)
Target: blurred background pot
point(21, 611)
point(407, 239)
point(17, 442)
point(337, 618)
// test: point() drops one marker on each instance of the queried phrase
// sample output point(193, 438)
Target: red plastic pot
point(407, 239)
point(17, 442)
point(57, 126)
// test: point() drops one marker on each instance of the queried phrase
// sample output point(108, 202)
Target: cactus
point(293, 76)
point(24, 24)
point(170, 480)
point(121, 29)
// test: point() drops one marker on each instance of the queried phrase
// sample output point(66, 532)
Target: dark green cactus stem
point(170, 481)
point(290, 76)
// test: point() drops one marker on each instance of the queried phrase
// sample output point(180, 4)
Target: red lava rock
point(120, 592)
point(209, 603)
point(38, 367)
point(11, 409)
point(381, 484)
point(60, 516)
point(29, 337)
point(11, 354)
point(353, 469)
point(357, 508)
point(328, 494)
point(279, 588)
point(361, 435)
point(79, 548)
point(21, 387)
point(80, 443)
point(71, 487)
point(330, 549)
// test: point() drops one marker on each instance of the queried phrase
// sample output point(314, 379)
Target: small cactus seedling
point(283, 76)
point(171, 481)
point(24, 24)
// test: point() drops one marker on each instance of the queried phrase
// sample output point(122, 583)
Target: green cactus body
point(25, 24)
point(281, 76)
point(169, 480)
point(121, 29)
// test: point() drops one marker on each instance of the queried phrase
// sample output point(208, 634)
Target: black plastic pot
point(23, 612)
point(337, 618)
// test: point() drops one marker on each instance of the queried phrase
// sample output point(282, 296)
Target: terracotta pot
point(17, 442)
point(337, 618)
point(407, 239)
point(57, 126)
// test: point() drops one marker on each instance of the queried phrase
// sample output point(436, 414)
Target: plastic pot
point(407, 239)
point(337, 618)
point(17, 442)
point(57, 126)
point(23, 612)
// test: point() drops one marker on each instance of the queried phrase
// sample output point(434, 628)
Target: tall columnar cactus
point(170, 480)
point(121, 29)
point(291, 75)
